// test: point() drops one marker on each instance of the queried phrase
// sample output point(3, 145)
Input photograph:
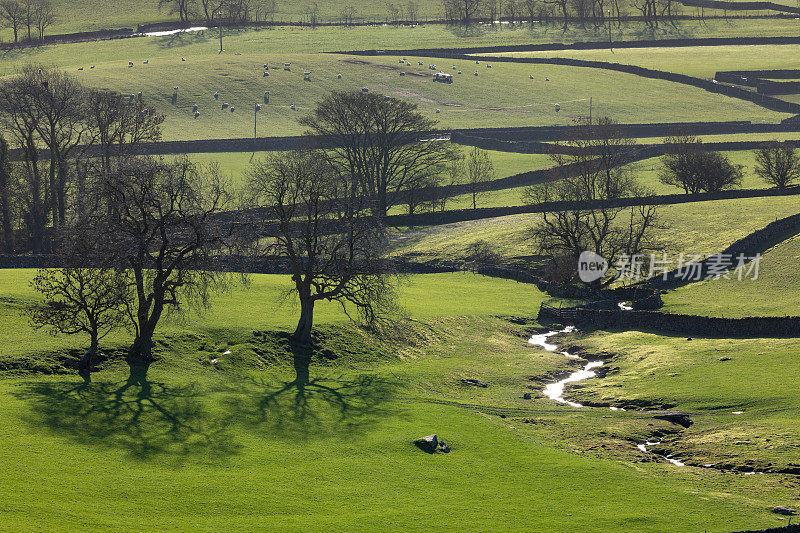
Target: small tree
point(777, 164)
point(13, 13)
point(479, 170)
point(334, 247)
point(688, 166)
point(80, 300)
point(593, 164)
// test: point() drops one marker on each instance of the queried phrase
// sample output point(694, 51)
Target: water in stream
point(555, 390)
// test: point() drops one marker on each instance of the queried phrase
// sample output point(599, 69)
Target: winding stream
point(555, 390)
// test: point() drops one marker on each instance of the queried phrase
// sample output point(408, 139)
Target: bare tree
point(334, 247)
point(594, 172)
point(161, 228)
point(20, 117)
point(348, 15)
point(479, 170)
point(119, 123)
point(777, 163)
point(383, 144)
point(688, 166)
point(464, 11)
point(563, 6)
point(265, 10)
point(44, 16)
point(394, 13)
point(80, 300)
point(183, 8)
point(531, 8)
point(13, 13)
point(209, 8)
point(412, 8)
point(61, 103)
point(311, 12)
point(6, 198)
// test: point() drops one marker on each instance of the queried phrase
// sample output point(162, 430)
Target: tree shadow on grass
point(310, 406)
point(147, 419)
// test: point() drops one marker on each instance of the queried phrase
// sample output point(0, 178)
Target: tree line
point(137, 238)
point(27, 19)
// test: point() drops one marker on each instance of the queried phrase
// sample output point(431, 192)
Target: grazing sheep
point(196, 114)
point(459, 72)
point(420, 63)
point(558, 108)
point(80, 68)
point(364, 89)
point(476, 72)
point(488, 66)
point(216, 95)
point(130, 64)
point(194, 108)
point(293, 107)
point(438, 111)
point(402, 73)
point(233, 108)
point(454, 67)
point(266, 73)
point(287, 66)
point(175, 88)
point(547, 79)
point(530, 77)
point(477, 62)
point(91, 68)
point(339, 76)
point(224, 105)
point(183, 59)
point(146, 61)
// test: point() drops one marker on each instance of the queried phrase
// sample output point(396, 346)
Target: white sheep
point(476, 72)
point(233, 108)
point(292, 107)
point(196, 114)
point(364, 89)
point(146, 61)
point(224, 105)
point(438, 111)
point(339, 76)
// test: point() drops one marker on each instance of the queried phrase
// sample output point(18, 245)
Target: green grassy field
point(703, 228)
point(470, 102)
point(245, 446)
point(733, 425)
point(699, 61)
point(769, 295)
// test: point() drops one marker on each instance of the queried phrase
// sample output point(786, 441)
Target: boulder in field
point(786, 511)
point(427, 444)
point(473, 381)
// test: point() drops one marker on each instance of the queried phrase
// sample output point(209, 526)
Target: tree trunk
point(302, 335)
point(141, 351)
point(88, 358)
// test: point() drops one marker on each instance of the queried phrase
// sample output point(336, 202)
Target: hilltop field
point(224, 435)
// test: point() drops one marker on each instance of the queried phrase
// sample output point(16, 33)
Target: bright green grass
point(471, 101)
point(772, 294)
point(699, 61)
point(711, 378)
point(237, 164)
point(244, 449)
point(703, 228)
point(262, 304)
point(86, 15)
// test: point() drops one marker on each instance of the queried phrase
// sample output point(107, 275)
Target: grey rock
point(786, 511)
point(476, 382)
point(427, 444)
